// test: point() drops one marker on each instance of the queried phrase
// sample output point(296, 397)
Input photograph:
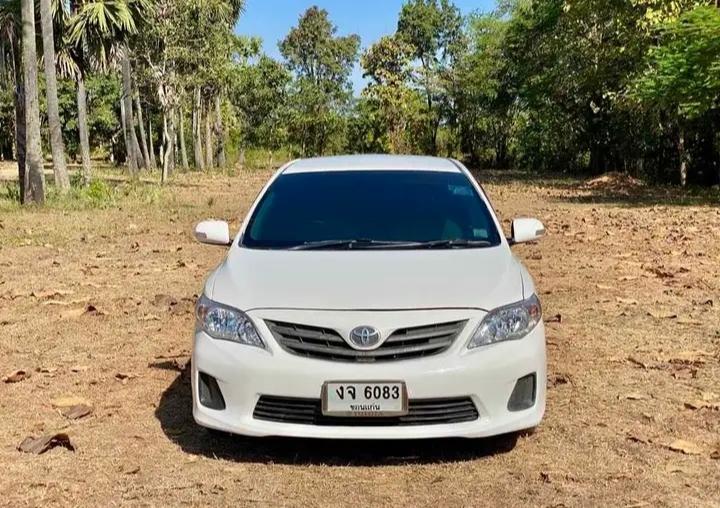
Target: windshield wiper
point(456, 243)
point(366, 243)
point(356, 243)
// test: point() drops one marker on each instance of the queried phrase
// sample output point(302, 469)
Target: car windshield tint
point(371, 209)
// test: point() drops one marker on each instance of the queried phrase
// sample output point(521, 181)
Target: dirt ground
point(97, 305)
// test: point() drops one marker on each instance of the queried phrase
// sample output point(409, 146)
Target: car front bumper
point(487, 375)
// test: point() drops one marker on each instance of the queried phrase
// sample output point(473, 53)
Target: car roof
point(372, 163)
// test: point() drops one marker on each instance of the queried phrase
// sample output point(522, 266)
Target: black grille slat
point(424, 332)
point(420, 412)
point(403, 344)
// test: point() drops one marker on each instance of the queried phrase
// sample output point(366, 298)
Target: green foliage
point(321, 62)
point(583, 86)
point(433, 29)
point(683, 71)
point(260, 92)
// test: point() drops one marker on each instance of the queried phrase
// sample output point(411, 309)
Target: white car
point(369, 296)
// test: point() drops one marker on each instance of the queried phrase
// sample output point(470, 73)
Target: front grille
point(403, 344)
point(420, 412)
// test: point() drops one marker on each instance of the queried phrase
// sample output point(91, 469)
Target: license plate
point(364, 398)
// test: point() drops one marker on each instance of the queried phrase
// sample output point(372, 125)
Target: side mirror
point(213, 232)
point(526, 230)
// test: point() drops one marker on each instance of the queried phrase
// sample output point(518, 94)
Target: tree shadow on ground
point(612, 189)
point(175, 415)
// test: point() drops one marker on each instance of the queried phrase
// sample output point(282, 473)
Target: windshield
point(371, 209)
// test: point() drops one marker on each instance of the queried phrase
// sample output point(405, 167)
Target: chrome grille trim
point(403, 344)
point(420, 412)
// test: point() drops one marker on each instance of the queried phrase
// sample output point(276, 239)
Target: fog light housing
point(209, 392)
point(523, 395)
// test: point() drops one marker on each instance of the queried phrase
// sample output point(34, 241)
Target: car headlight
point(510, 322)
point(226, 323)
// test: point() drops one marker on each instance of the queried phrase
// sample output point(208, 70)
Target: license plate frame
point(327, 410)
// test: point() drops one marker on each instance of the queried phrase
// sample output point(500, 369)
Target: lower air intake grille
point(402, 344)
point(420, 412)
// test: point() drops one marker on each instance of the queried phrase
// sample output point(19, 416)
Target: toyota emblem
point(364, 337)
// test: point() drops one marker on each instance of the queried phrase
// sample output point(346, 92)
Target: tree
point(387, 64)
point(434, 29)
point(479, 91)
point(11, 25)
point(96, 31)
point(322, 63)
point(260, 92)
point(683, 76)
point(62, 180)
point(34, 188)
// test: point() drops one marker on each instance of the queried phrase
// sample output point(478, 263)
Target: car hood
point(367, 279)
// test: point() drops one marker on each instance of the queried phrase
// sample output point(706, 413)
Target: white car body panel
point(252, 278)
point(388, 289)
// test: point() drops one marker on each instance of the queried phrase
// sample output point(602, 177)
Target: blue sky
point(370, 19)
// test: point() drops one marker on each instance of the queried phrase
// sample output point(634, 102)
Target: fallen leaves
point(702, 404)
point(51, 293)
point(626, 301)
point(76, 412)
point(124, 378)
point(89, 310)
point(558, 379)
point(16, 377)
point(683, 446)
point(38, 445)
point(662, 315)
point(557, 318)
point(70, 401)
point(634, 396)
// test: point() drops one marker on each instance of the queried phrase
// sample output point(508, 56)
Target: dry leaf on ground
point(626, 301)
point(38, 445)
point(686, 447)
point(635, 396)
point(50, 293)
point(702, 404)
point(16, 377)
point(69, 401)
point(124, 378)
point(76, 412)
point(89, 309)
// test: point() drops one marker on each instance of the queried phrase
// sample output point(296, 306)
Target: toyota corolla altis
point(369, 297)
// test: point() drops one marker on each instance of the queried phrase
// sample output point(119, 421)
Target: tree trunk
point(197, 139)
point(83, 129)
point(123, 126)
point(183, 149)
point(682, 154)
point(169, 155)
point(153, 163)
point(130, 138)
point(62, 180)
point(34, 176)
point(164, 148)
point(174, 134)
point(19, 120)
point(219, 134)
point(141, 124)
point(208, 140)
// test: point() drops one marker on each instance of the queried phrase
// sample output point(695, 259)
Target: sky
point(370, 19)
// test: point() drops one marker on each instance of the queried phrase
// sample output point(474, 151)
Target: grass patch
point(101, 192)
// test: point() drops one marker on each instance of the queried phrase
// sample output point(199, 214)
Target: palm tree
point(62, 181)
point(97, 31)
point(34, 187)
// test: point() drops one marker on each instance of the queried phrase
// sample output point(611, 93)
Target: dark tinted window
point(392, 206)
